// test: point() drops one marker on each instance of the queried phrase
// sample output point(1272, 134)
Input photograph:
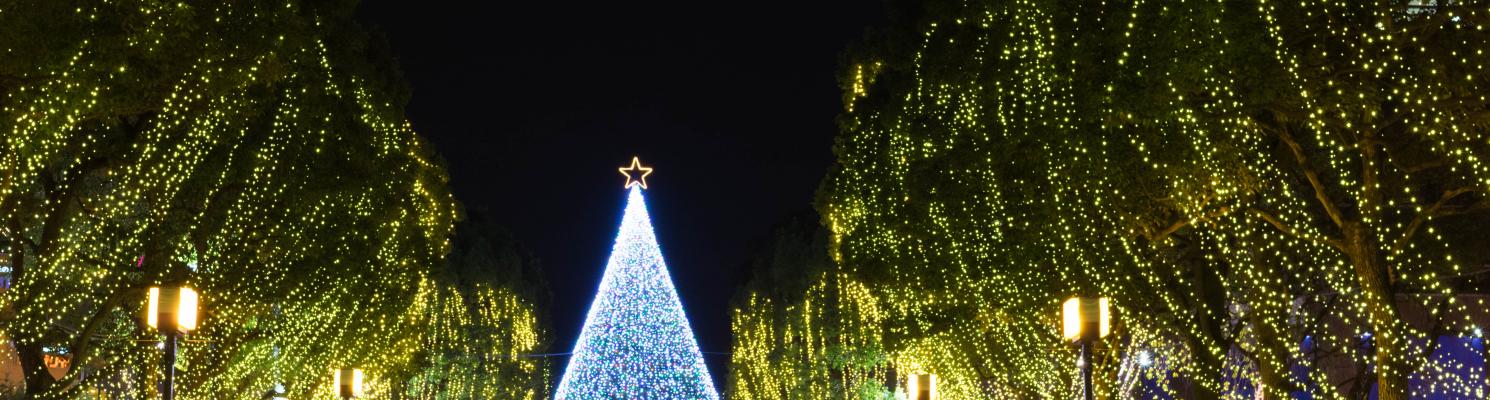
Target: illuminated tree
point(636, 342)
point(254, 150)
point(1318, 151)
point(486, 330)
point(800, 325)
point(1248, 180)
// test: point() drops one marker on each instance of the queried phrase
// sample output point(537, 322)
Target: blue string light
point(636, 342)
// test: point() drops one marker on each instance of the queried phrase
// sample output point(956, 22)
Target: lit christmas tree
point(636, 342)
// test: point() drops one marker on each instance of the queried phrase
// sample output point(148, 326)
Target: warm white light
point(152, 310)
point(356, 383)
point(1103, 318)
point(1085, 318)
point(186, 313)
point(347, 383)
point(1071, 311)
point(913, 387)
point(169, 308)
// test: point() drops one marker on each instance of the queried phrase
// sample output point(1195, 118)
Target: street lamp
point(347, 382)
point(1086, 321)
point(173, 311)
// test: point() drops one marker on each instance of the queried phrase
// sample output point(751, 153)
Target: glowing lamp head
point(347, 382)
point(172, 309)
point(1085, 318)
point(921, 387)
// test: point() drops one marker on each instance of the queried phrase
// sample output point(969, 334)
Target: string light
point(636, 342)
point(229, 146)
point(1234, 175)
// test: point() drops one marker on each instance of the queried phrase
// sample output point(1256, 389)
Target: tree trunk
point(1270, 356)
point(1203, 381)
point(33, 363)
point(1272, 384)
point(1382, 315)
point(39, 381)
point(1202, 392)
point(1209, 294)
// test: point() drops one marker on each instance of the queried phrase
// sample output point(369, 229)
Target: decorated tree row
point(803, 329)
point(1262, 188)
point(485, 329)
point(256, 151)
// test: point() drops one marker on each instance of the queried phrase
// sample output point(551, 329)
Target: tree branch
point(1422, 217)
point(82, 345)
point(1336, 243)
point(1303, 161)
point(1177, 225)
point(1371, 199)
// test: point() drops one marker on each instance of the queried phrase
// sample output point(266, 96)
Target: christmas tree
point(636, 342)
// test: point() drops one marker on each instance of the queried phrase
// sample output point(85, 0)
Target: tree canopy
point(799, 330)
point(1257, 185)
point(256, 151)
point(488, 328)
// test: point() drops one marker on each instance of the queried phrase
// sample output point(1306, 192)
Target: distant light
point(1478, 332)
point(1145, 359)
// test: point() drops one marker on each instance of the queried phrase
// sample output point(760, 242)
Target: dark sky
point(535, 104)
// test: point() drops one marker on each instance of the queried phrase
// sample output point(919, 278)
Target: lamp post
point(347, 382)
point(1086, 321)
point(173, 311)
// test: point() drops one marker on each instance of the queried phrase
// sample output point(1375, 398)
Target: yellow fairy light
point(234, 147)
point(1271, 175)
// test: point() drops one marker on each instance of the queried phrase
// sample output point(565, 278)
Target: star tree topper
point(636, 174)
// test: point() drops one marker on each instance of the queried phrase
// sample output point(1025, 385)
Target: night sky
point(535, 105)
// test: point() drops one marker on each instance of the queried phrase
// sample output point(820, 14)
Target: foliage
point(1241, 177)
point(256, 151)
point(790, 339)
point(486, 328)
